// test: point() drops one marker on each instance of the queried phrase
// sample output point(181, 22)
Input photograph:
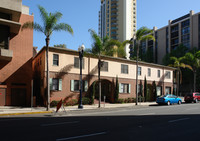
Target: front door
point(2, 96)
point(18, 97)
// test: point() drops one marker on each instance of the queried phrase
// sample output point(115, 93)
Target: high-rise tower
point(117, 19)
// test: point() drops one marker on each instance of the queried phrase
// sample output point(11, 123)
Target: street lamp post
point(80, 49)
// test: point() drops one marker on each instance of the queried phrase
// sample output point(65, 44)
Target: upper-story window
point(124, 69)
point(158, 73)
point(77, 62)
point(139, 71)
point(149, 72)
point(168, 74)
point(104, 66)
point(55, 59)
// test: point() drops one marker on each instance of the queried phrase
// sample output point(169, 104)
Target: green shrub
point(71, 102)
point(54, 103)
point(86, 101)
point(120, 100)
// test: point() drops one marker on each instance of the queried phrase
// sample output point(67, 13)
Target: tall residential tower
point(117, 19)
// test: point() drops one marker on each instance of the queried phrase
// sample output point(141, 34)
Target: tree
point(61, 46)
point(142, 34)
point(102, 47)
point(177, 63)
point(178, 52)
point(193, 59)
point(50, 24)
point(116, 96)
point(145, 88)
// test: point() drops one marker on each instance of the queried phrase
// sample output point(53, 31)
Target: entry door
point(2, 96)
point(167, 90)
point(18, 97)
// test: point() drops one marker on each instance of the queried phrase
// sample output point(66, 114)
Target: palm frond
point(97, 46)
point(148, 37)
point(27, 25)
point(64, 27)
point(32, 25)
point(43, 14)
point(142, 32)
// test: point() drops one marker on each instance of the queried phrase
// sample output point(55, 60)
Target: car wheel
point(179, 102)
point(168, 103)
point(196, 100)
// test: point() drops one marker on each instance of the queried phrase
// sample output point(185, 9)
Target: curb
point(26, 113)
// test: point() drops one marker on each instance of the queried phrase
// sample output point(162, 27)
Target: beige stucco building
point(64, 75)
point(117, 19)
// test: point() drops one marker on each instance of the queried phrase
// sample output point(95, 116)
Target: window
point(124, 69)
point(124, 88)
point(75, 85)
point(55, 84)
point(105, 66)
point(149, 72)
point(168, 75)
point(77, 62)
point(55, 59)
point(158, 74)
point(139, 71)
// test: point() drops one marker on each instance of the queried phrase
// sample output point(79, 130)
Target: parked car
point(168, 99)
point(192, 97)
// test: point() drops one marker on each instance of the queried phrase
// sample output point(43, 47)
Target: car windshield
point(189, 95)
point(164, 95)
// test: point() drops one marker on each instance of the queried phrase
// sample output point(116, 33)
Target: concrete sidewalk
point(10, 110)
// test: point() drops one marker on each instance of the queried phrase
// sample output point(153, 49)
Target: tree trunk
point(47, 77)
point(137, 73)
point(99, 70)
point(178, 82)
point(195, 73)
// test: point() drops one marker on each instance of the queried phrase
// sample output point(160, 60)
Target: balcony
point(14, 26)
point(5, 54)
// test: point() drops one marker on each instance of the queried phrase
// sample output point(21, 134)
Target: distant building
point(16, 52)
point(183, 30)
point(117, 20)
point(65, 75)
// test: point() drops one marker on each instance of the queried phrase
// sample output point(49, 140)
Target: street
point(140, 123)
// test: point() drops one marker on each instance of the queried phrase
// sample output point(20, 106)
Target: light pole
point(80, 49)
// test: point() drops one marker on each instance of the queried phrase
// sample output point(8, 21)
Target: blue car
point(168, 99)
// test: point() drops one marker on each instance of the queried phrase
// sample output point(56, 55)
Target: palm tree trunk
point(99, 70)
point(178, 82)
point(137, 73)
point(195, 73)
point(47, 78)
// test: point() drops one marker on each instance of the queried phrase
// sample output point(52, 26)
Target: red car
point(192, 97)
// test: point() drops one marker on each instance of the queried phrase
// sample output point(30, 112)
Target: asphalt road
point(141, 123)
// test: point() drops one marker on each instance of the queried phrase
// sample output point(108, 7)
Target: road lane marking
point(145, 114)
point(76, 137)
point(52, 124)
point(178, 120)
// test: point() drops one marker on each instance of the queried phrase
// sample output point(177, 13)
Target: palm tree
point(142, 34)
point(178, 64)
point(105, 47)
point(193, 59)
point(50, 24)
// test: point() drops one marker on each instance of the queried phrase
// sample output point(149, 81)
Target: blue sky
point(83, 15)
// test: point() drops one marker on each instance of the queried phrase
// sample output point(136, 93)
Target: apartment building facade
point(16, 52)
point(65, 75)
point(117, 20)
point(183, 30)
